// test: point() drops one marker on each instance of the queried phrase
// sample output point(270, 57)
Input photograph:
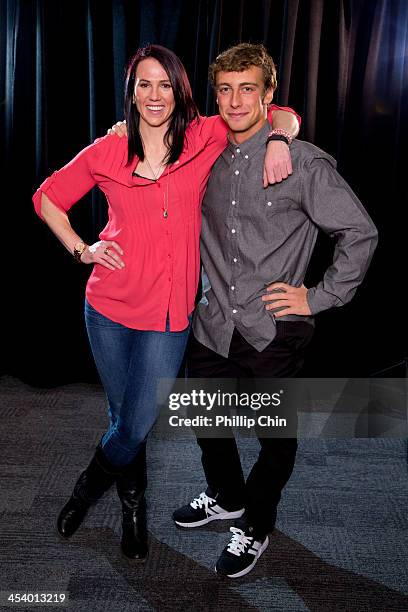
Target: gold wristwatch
point(79, 248)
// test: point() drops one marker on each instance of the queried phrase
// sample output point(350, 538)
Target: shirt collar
point(248, 147)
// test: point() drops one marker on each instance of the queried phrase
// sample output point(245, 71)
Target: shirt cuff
point(319, 299)
point(46, 188)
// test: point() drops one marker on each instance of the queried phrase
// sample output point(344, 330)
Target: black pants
point(261, 493)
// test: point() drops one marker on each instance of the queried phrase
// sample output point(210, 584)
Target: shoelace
point(238, 541)
point(202, 500)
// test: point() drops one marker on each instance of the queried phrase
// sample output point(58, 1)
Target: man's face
point(242, 101)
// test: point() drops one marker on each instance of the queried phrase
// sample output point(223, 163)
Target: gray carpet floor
point(341, 542)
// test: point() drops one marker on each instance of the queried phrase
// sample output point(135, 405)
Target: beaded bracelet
point(277, 137)
point(281, 132)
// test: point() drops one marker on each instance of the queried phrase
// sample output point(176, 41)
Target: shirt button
point(169, 279)
point(236, 171)
point(232, 156)
point(232, 288)
point(235, 260)
point(269, 203)
point(233, 202)
point(238, 150)
point(233, 231)
point(246, 156)
point(169, 256)
point(234, 311)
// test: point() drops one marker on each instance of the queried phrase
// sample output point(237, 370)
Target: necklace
point(157, 173)
point(166, 197)
point(156, 178)
point(166, 193)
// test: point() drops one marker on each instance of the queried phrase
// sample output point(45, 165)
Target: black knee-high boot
point(131, 485)
point(98, 477)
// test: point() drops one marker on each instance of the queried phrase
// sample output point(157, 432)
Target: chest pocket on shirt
point(273, 206)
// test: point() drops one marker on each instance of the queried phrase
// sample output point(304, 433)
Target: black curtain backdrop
point(342, 64)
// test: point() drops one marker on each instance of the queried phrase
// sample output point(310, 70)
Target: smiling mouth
point(236, 115)
point(155, 109)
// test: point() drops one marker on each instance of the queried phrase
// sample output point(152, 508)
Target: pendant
point(165, 214)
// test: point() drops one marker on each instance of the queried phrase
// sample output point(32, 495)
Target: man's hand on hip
point(292, 300)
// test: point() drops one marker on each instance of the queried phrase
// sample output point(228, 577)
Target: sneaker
point(203, 510)
point(241, 554)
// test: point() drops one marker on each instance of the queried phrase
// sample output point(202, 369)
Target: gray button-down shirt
point(252, 237)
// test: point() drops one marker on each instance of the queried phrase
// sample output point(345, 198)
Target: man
point(257, 318)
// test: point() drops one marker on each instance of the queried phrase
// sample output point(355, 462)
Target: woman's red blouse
point(161, 254)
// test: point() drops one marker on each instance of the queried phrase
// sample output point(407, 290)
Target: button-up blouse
point(156, 223)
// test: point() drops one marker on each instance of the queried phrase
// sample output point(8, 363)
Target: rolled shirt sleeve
point(287, 109)
point(336, 210)
point(68, 185)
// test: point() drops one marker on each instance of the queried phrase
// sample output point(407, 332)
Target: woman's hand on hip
point(106, 253)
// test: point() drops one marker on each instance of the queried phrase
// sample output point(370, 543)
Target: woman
point(140, 295)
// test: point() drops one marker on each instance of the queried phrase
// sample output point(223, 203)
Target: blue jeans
point(130, 363)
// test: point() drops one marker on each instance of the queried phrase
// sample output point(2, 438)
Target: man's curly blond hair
point(240, 58)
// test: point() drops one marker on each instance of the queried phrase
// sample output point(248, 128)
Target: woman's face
point(153, 93)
